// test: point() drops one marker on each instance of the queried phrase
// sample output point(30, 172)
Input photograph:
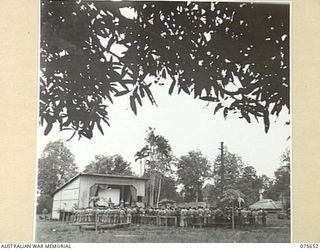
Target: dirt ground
point(276, 231)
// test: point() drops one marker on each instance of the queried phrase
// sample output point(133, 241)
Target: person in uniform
point(200, 216)
point(255, 216)
point(134, 215)
point(206, 213)
point(264, 217)
point(122, 215)
point(250, 218)
point(182, 217)
point(142, 213)
point(129, 215)
point(138, 216)
point(191, 216)
point(112, 216)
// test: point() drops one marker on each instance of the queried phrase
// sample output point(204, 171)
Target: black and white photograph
point(164, 122)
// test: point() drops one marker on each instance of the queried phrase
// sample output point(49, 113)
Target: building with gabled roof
point(80, 190)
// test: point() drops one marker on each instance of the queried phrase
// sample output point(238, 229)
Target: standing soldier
point(116, 215)
point(138, 216)
point(264, 217)
point(105, 216)
point(134, 215)
point(191, 216)
point(150, 213)
point(251, 218)
point(206, 213)
point(122, 215)
point(111, 216)
point(255, 216)
point(183, 217)
point(142, 213)
point(129, 215)
point(200, 216)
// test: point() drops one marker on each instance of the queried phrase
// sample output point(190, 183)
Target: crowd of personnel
point(182, 217)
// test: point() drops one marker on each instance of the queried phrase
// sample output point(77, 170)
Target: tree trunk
point(159, 191)
point(197, 194)
point(152, 191)
point(232, 215)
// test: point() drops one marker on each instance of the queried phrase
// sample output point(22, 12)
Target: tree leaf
point(141, 91)
point(133, 105)
point(99, 127)
point(48, 129)
point(209, 98)
point(121, 93)
point(164, 74)
point(219, 106)
point(266, 122)
point(246, 116)
point(225, 112)
point(172, 87)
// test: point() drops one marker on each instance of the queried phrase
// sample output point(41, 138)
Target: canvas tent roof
point(264, 204)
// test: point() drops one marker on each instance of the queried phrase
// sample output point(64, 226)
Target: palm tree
point(141, 154)
point(158, 155)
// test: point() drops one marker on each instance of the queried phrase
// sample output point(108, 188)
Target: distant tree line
point(181, 179)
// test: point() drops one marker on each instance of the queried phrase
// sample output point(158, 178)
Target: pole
point(222, 170)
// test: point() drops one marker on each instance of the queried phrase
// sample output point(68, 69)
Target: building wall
point(67, 198)
point(89, 181)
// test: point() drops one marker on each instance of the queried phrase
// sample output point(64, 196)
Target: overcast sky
point(187, 124)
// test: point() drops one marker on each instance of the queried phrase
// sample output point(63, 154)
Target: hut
point(166, 203)
point(266, 204)
point(91, 189)
point(193, 204)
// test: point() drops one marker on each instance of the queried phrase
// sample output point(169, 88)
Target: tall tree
point(234, 55)
point(249, 184)
point(55, 166)
point(280, 188)
point(226, 176)
point(169, 189)
point(209, 193)
point(114, 165)
point(192, 170)
point(158, 159)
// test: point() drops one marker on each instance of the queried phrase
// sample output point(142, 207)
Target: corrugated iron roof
point(99, 175)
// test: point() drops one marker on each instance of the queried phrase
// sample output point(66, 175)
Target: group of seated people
point(183, 217)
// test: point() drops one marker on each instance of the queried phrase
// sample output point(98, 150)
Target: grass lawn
point(53, 231)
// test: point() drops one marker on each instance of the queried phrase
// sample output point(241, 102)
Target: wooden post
point(96, 220)
point(122, 196)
